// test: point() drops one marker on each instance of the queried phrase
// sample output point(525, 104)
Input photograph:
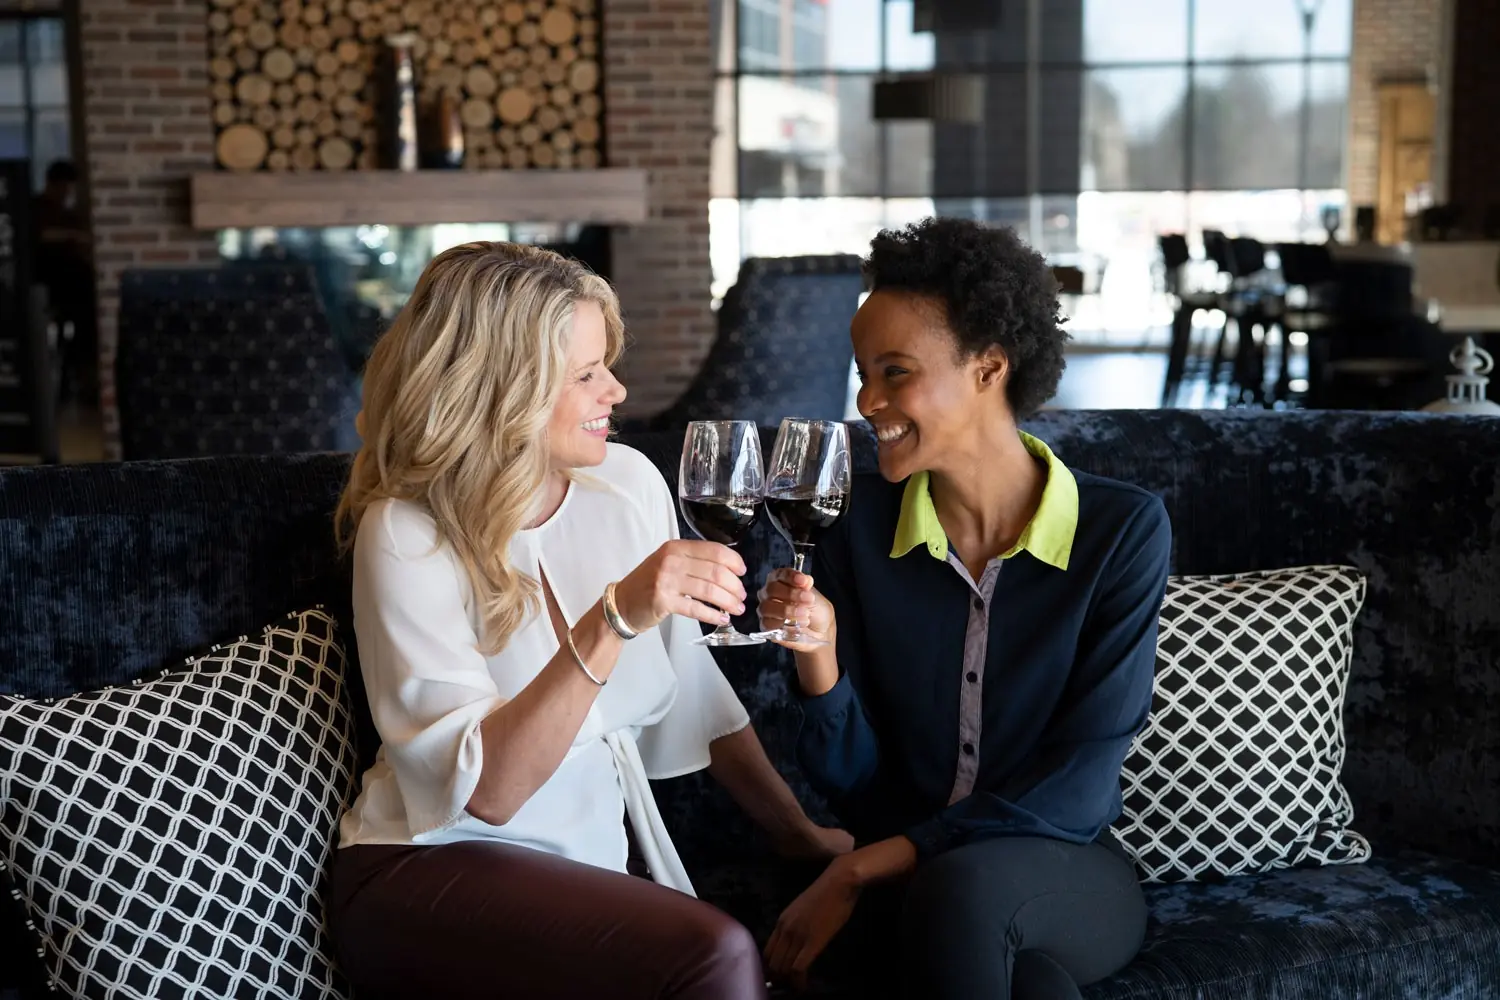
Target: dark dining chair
point(782, 347)
point(229, 360)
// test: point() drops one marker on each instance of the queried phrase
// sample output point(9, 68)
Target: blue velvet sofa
point(109, 571)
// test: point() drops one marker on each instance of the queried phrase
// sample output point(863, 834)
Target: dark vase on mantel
point(443, 139)
point(397, 103)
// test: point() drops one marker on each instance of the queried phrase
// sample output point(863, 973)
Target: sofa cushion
point(1408, 926)
point(169, 837)
point(1239, 768)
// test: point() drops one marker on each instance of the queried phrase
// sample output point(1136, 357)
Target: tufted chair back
point(783, 344)
point(229, 361)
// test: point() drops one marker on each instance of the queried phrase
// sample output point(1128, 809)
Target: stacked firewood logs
point(292, 80)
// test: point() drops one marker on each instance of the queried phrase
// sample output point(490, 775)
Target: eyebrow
point(583, 368)
point(891, 355)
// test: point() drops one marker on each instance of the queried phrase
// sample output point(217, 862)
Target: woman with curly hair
point(991, 619)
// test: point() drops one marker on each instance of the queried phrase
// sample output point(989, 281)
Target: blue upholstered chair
point(231, 360)
point(782, 347)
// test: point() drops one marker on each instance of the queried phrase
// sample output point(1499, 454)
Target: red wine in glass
point(719, 487)
point(726, 520)
point(807, 490)
point(801, 515)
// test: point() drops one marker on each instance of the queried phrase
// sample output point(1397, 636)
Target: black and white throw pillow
point(168, 838)
point(1239, 768)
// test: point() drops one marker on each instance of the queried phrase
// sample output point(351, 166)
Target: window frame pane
point(1253, 145)
point(1142, 35)
point(1152, 153)
point(1176, 170)
point(1235, 31)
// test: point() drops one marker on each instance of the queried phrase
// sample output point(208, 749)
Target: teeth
point(597, 425)
point(890, 435)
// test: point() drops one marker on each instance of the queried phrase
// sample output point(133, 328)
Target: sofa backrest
point(1410, 499)
point(108, 572)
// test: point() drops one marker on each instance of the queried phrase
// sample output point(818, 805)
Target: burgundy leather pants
point(490, 920)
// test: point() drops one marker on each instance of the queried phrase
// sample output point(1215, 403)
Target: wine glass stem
point(799, 559)
point(728, 627)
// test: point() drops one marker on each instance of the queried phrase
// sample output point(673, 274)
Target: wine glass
point(807, 490)
point(719, 488)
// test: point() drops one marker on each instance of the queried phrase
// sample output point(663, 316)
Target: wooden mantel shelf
point(224, 200)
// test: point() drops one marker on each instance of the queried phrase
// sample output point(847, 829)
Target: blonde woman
point(525, 615)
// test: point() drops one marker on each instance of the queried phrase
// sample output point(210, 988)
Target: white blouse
point(429, 686)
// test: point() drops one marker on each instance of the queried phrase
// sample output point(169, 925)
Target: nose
point(614, 391)
point(869, 401)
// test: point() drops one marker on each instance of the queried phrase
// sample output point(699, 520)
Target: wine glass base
point(729, 639)
point(795, 636)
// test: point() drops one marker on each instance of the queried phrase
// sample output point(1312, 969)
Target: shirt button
point(968, 749)
point(979, 604)
point(971, 677)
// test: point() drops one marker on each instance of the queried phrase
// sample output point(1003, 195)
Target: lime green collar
point(1048, 536)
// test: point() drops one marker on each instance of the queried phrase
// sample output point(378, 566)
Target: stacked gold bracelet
point(616, 621)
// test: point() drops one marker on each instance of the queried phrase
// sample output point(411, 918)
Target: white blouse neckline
point(557, 514)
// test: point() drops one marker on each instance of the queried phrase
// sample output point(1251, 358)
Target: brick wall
point(658, 108)
point(1393, 39)
point(146, 115)
point(1474, 138)
point(147, 107)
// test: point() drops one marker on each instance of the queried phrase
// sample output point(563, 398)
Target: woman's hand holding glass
point(689, 578)
point(719, 488)
point(790, 596)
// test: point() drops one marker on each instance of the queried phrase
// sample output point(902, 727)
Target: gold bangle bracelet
point(612, 617)
point(573, 648)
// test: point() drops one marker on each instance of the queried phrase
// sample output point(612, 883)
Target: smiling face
point(927, 402)
point(578, 430)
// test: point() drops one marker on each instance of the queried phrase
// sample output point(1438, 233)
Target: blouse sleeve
point(428, 685)
point(706, 707)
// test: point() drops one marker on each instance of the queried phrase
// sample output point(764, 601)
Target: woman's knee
point(969, 911)
point(947, 890)
point(716, 934)
point(718, 958)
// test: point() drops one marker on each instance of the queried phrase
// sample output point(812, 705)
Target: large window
point(1089, 125)
point(34, 116)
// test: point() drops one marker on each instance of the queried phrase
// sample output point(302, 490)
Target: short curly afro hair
point(995, 290)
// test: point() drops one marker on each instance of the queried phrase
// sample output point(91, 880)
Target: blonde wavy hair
point(457, 396)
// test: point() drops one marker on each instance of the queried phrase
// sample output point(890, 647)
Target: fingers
point(785, 594)
point(793, 579)
point(789, 955)
point(781, 950)
point(802, 965)
point(710, 552)
point(687, 607)
point(717, 576)
point(840, 841)
point(775, 612)
point(708, 592)
point(772, 610)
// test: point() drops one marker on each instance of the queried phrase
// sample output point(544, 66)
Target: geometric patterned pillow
point(1239, 767)
point(169, 837)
